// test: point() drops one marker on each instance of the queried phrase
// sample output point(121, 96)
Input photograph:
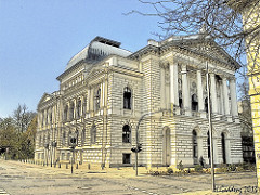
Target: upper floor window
point(72, 107)
point(65, 114)
point(83, 137)
point(93, 134)
point(97, 99)
point(127, 95)
point(78, 108)
point(194, 102)
point(126, 134)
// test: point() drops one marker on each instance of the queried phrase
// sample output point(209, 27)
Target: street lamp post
point(73, 144)
point(210, 131)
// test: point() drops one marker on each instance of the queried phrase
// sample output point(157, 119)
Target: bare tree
point(22, 117)
point(223, 20)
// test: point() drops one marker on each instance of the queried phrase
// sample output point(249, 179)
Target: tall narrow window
point(42, 117)
point(127, 98)
point(194, 102)
point(65, 114)
point(206, 105)
point(126, 134)
point(180, 99)
point(93, 134)
point(195, 144)
point(78, 108)
point(68, 138)
point(63, 138)
point(223, 147)
point(83, 137)
point(97, 99)
point(72, 107)
point(208, 142)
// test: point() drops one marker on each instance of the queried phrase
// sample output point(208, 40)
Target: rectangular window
point(126, 159)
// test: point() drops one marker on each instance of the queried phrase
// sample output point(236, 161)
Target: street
point(18, 178)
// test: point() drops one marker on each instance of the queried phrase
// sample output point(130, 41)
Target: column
point(162, 88)
point(185, 91)
point(213, 94)
point(200, 92)
point(174, 87)
point(233, 97)
point(225, 96)
point(88, 101)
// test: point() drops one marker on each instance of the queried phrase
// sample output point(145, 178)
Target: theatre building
point(105, 90)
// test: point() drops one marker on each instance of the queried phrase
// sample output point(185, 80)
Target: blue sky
point(38, 37)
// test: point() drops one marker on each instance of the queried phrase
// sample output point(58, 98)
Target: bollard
point(89, 166)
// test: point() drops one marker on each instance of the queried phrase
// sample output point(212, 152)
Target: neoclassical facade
point(105, 90)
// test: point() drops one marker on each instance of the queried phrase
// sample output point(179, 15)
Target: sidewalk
point(98, 172)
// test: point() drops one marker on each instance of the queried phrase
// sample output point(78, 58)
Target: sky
point(38, 37)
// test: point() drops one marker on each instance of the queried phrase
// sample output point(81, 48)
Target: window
point(69, 137)
point(78, 108)
point(97, 99)
point(63, 138)
point(127, 98)
point(195, 144)
point(126, 134)
point(42, 117)
point(65, 114)
point(208, 142)
point(40, 140)
point(194, 102)
point(72, 107)
point(93, 134)
point(223, 147)
point(126, 159)
point(83, 137)
point(206, 105)
point(180, 99)
point(84, 106)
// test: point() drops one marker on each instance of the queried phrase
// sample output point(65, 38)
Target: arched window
point(194, 102)
point(126, 134)
point(93, 134)
point(78, 108)
point(223, 147)
point(97, 99)
point(127, 95)
point(195, 144)
point(206, 105)
point(65, 114)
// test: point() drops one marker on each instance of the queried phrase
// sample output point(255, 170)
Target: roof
point(192, 43)
point(96, 50)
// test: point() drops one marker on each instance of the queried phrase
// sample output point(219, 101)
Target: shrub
point(180, 166)
point(232, 168)
point(198, 168)
point(169, 171)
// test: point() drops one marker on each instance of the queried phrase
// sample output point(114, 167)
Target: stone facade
point(105, 90)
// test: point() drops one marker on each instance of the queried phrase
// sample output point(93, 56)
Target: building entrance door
point(166, 147)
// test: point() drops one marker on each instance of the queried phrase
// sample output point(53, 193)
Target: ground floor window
point(126, 159)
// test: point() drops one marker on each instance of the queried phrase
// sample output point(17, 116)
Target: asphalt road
point(17, 178)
